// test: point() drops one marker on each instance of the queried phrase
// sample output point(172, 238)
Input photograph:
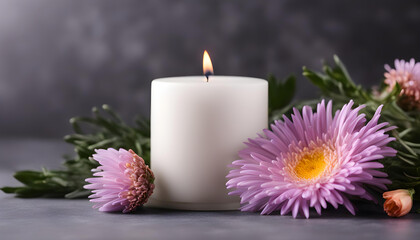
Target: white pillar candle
point(197, 129)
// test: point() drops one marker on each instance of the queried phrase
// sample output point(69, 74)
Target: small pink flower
point(407, 75)
point(398, 202)
point(123, 181)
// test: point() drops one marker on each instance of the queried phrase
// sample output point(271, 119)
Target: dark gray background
point(59, 58)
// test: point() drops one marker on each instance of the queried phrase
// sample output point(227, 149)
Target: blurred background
point(60, 58)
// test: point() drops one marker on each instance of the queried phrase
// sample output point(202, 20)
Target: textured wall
point(59, 58)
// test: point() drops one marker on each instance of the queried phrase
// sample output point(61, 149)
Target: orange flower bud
point(398, 202)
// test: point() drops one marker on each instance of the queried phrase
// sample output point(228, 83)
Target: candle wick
point(207, 74)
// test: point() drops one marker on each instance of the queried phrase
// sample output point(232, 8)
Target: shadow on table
point(363, 211)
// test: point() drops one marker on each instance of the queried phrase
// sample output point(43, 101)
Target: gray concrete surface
point(75, 219)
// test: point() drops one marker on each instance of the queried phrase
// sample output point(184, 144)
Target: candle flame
point(207, 65)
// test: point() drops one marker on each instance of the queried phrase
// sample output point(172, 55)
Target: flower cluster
point(311, 160)
point(122, 182)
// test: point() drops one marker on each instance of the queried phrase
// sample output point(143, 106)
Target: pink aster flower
point(123, 181)
point(407, 75)
point(311, 160)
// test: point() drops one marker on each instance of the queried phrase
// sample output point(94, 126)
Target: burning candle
point(198, 125)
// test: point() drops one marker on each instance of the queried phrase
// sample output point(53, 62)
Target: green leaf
point(10, 189)
point(316, 78)
point(29, 177)
point(280, 93)
point(342, 70)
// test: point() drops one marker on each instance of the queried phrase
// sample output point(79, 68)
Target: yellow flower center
point(311, 164)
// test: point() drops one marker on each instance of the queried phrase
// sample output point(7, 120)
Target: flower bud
point(398, 202)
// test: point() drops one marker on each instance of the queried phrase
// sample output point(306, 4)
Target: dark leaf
point(280, 93)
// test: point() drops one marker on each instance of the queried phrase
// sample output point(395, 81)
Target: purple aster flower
point(312, 160)
point(407, 75)
point(123, 181)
